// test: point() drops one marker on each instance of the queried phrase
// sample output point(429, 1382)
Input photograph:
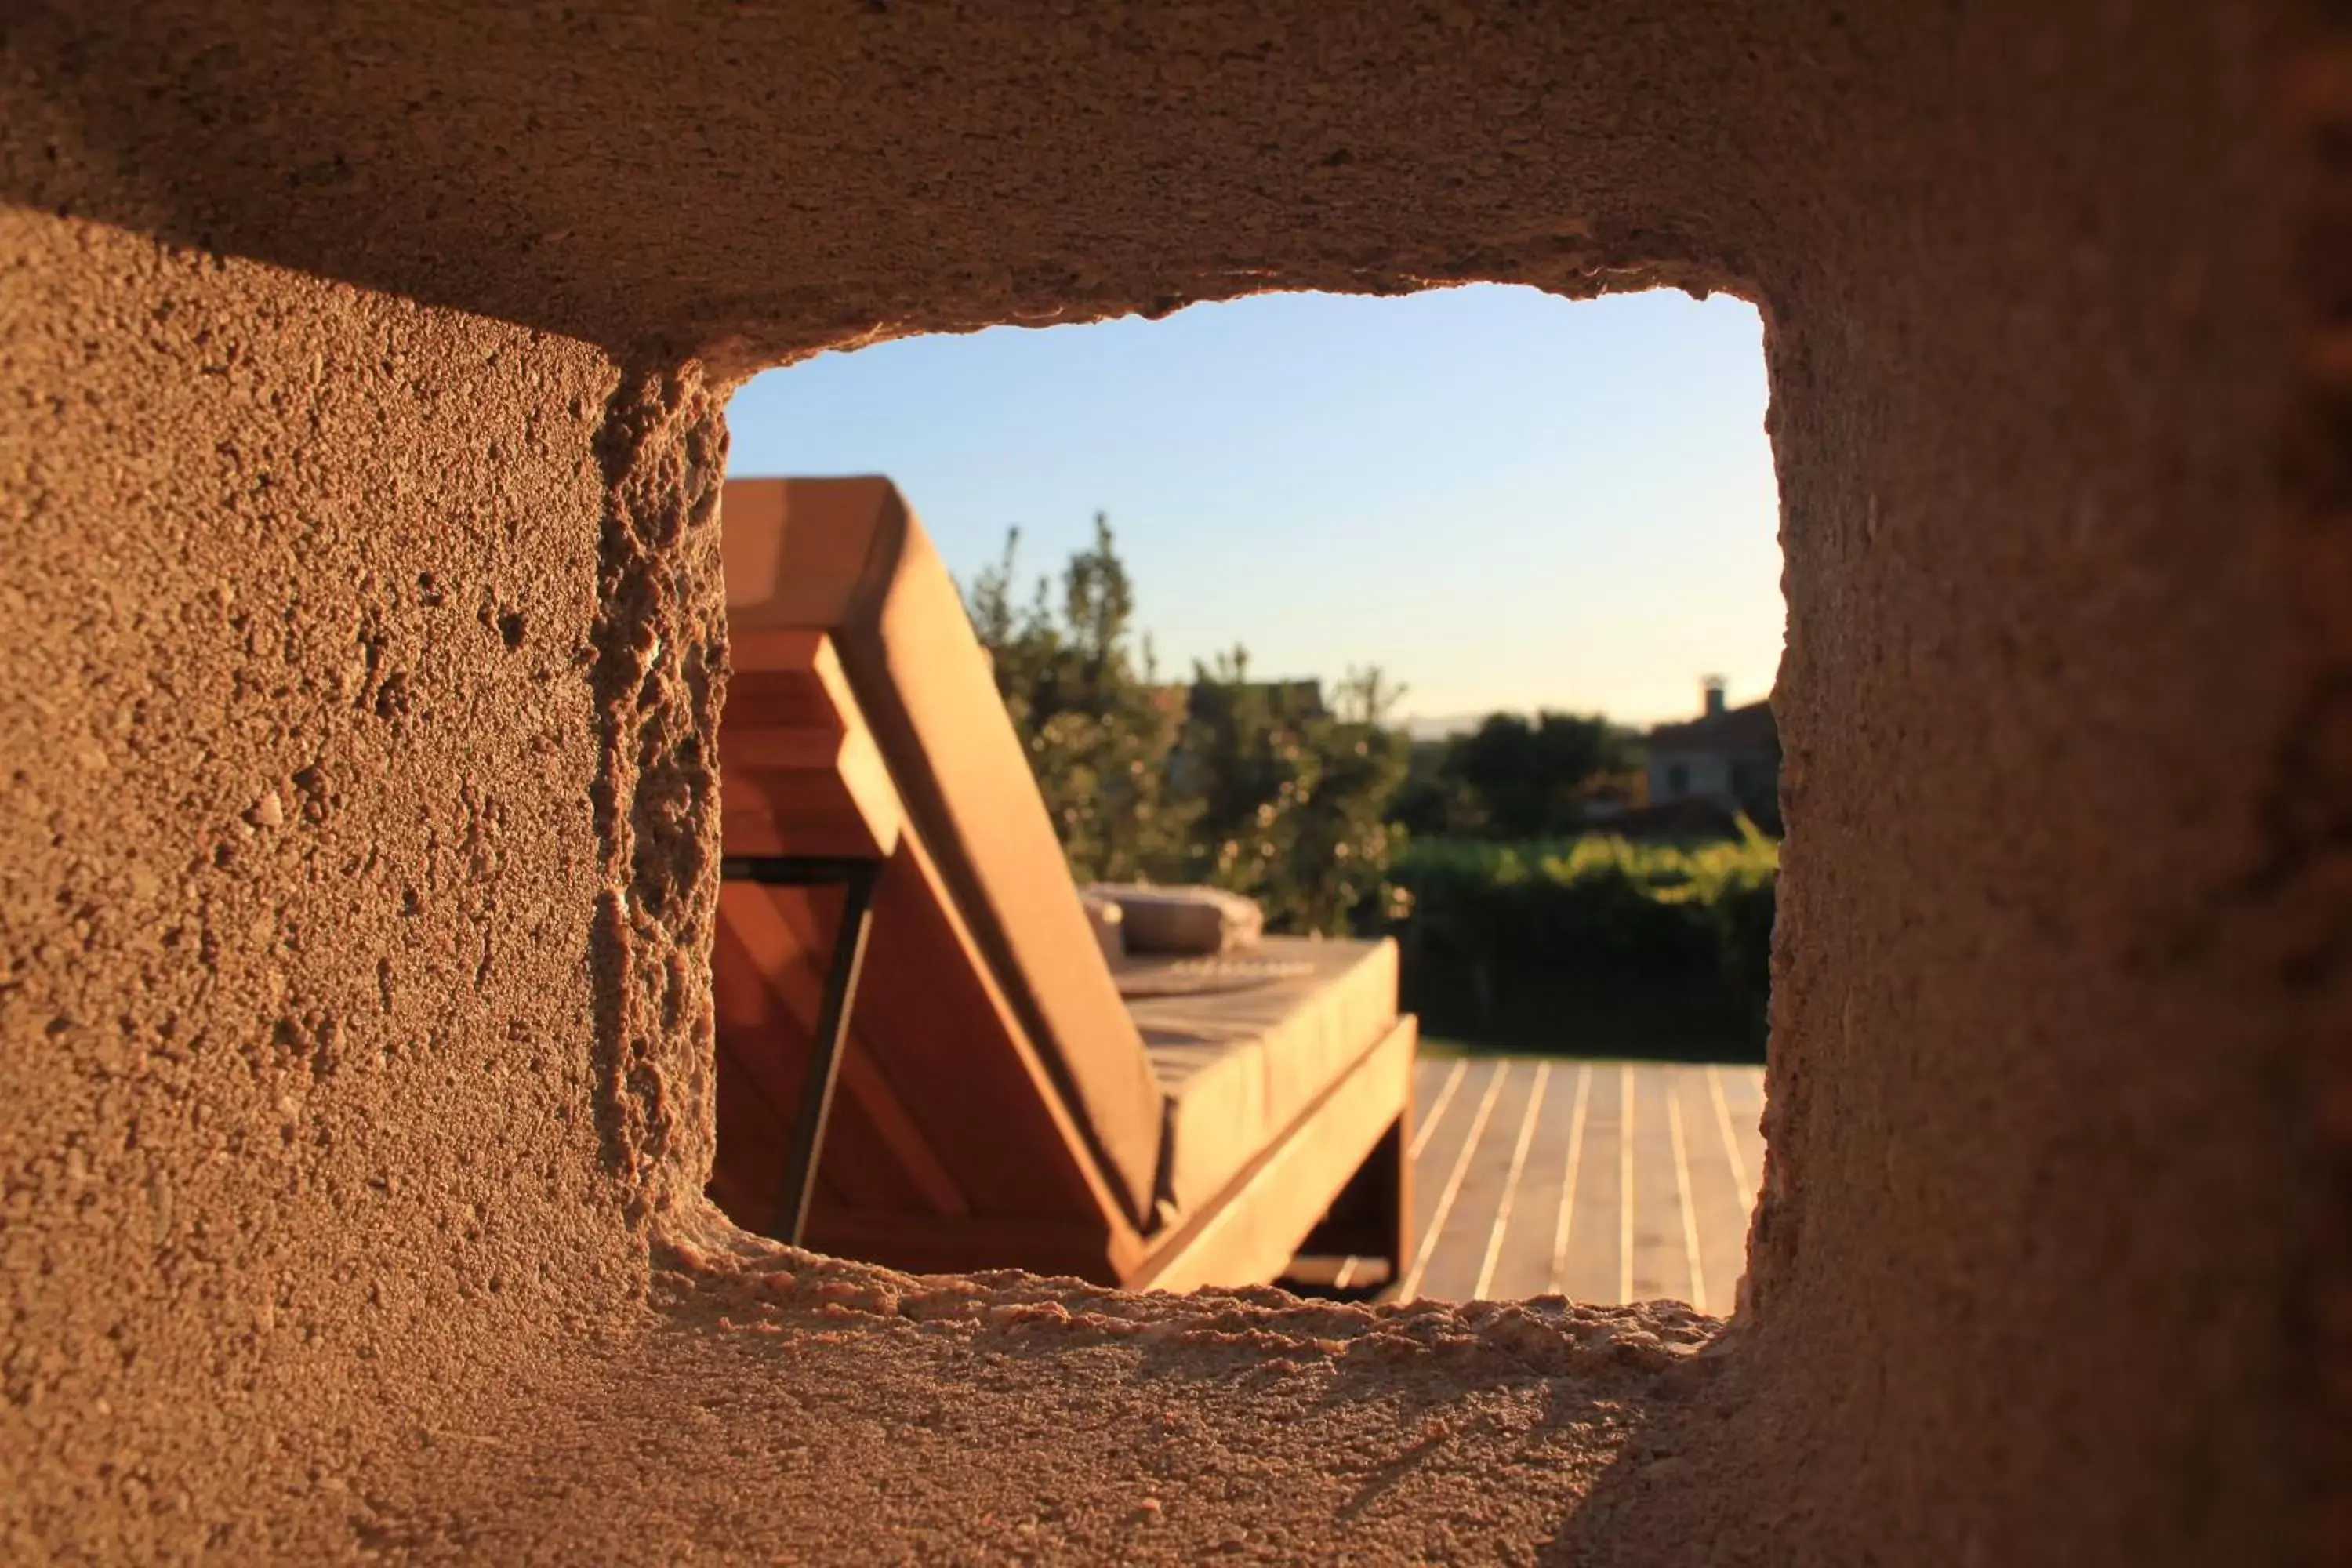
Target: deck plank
point(1435, 1081)
point(1438, 1146)
point(1725, 1169)
point(1660, 1261)
point(1472, 1189)
point(1743, 1094)
point(1522, 1250)
point(1559, 1191)
point(1589, 1270)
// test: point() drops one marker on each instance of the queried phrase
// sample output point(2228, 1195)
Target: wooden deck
point(1602, 1181)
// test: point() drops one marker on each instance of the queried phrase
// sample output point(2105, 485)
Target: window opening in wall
point(1357, 657)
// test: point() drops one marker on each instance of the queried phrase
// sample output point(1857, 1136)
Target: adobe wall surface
point(2059, 955)
point(301, 873)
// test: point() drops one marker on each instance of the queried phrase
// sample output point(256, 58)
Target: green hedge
point(1533, 926)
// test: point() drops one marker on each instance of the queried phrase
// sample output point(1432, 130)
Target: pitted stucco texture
point(364, 648)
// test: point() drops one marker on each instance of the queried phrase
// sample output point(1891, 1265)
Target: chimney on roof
point(1711, 688)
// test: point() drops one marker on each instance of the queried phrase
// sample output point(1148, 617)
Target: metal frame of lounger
point(856, 878)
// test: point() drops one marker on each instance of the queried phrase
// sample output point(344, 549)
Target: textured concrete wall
point(300, 873)
point(2039, 1164)
point(2060, 942)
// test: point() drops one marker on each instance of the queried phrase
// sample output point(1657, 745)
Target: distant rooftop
point(1741, 730)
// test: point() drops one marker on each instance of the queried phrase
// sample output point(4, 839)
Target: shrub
point(1599, 904)
point(1250, 785)
point(1294, 798)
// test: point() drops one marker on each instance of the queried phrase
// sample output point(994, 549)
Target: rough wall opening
point(2053, 290)
point(1482, 505)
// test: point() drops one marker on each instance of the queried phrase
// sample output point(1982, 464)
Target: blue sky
point(1503, 500)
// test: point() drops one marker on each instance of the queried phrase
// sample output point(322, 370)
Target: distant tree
point(1513, 779)
point(1433, 802)
point(1246, 785)
point(1083, 692)
point(1296, 798)
point(1366, 696)
point(1347, 831)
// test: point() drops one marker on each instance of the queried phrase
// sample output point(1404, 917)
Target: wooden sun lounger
point(924, 1057)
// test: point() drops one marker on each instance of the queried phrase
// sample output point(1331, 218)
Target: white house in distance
point(1727, 757)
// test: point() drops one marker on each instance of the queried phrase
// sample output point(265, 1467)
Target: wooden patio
point(1602, 1181)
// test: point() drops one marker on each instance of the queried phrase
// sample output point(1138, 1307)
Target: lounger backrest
point(846, 556)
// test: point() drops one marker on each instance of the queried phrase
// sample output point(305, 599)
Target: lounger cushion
point(848, 557)
point(1185, 920)
point(1110, 929)
point(1243, 1045)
